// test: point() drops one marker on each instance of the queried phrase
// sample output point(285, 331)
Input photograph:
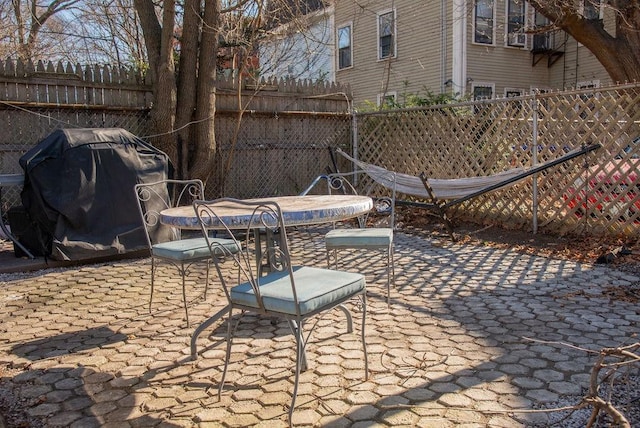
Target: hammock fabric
point(455, 190)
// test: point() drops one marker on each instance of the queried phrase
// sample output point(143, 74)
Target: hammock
point(444, 193)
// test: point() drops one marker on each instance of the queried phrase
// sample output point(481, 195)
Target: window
point(513, 92)
point(591, 9)
point(482, 92)
point(386, 35)
point(344, 47)
point(483, 21)
point(588, 84)
point(513, 107)
point(515, 23)
point(586, 107)
point(541, 41)
point(387, 100)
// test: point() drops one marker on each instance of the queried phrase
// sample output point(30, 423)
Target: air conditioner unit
point(517, 39)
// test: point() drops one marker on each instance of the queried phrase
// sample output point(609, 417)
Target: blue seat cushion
point(316, 288)
point(191, 249)
point(359, 238)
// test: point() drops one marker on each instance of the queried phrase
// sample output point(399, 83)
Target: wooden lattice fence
point(484, 137)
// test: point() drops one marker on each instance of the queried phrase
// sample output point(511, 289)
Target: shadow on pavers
point(67, 343)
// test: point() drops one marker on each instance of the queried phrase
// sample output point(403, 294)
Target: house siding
point(578, 64)
point(418, 50)
point(424, 57)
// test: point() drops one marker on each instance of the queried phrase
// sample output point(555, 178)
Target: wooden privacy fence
point(279, 146)
point(597, 194)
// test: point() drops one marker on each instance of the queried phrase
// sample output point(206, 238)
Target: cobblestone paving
point(452, 349)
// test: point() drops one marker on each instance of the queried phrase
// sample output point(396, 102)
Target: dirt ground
point(584, 249)
point(620, 253)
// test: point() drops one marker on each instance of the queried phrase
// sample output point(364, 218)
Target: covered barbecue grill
point(78, 191)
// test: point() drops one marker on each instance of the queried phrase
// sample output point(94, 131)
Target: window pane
point(516, 16)
point(344, 37)
point(482, 92)
point(344, 47)
point(484, 21)
point(592, 9)
point(386, 32)
point(484, 9)
point(344, 58)
point(386, 24)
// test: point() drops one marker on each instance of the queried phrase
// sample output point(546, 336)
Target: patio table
point(296, 211)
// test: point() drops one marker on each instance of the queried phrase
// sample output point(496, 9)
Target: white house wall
point(306, 53)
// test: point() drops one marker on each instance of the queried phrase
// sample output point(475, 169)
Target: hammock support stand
point(445, 193)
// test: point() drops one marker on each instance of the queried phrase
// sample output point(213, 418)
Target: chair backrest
point(160, 195)
point(346, 183)
point(239, 220)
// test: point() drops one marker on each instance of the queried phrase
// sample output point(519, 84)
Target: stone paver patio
point(453, 349)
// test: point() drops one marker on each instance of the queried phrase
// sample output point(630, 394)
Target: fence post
point(354, 136)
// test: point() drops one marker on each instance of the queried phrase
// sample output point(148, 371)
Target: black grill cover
point(78, 190)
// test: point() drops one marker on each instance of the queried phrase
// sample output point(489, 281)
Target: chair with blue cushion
point(166, 243)
point(296, 294)
point(362, 238)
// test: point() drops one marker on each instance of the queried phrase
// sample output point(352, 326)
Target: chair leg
point(364, 342)
point(206, 280)
point(332, 252)
point(153, 275)
point(227, 357)
point(203, 327)
point(299, 358)
point(391, 273)
point(184, 293)
point(347, 314)
point(293, 325)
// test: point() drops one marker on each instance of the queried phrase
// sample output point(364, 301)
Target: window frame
point(509, 92)
point(520, 31)
point(387, 95)
point(475, 85)
point(393, 45)
point(600, 7)
point(491, 20)
point(348, 25)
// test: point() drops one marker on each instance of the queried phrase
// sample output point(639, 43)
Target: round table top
point(296, 211)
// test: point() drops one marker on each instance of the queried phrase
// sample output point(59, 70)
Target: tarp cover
point(78, 189)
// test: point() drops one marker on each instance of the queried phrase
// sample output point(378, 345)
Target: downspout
point(459, 47)
point(443, 45)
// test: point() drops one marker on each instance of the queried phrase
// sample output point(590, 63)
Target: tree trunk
point(204, 149)
point(619, 54)
point(186, 103)
point(159, 40)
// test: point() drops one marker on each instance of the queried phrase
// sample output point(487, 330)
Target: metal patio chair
point(166, 243)
point(292, 293)
point(362, 238)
